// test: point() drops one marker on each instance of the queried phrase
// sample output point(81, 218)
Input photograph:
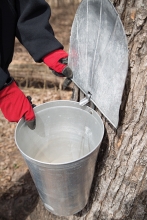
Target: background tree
point(119, 190)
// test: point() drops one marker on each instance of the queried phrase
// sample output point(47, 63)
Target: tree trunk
point(119, 186)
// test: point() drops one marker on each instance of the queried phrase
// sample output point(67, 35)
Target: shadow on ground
point(20, 200)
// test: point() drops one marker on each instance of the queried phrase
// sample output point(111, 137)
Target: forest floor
point(12, 165)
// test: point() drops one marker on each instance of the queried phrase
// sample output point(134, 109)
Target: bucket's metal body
point(61, 153)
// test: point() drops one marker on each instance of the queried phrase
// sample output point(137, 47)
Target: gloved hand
point(57, 62)
point(14, 105)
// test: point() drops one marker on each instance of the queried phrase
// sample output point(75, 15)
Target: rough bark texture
point(119, 186)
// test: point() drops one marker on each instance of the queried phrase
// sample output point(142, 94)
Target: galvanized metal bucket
point(61, 153)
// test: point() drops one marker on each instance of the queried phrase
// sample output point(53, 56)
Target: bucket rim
point(65, 163)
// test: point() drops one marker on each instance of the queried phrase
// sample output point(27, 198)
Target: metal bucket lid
point(98, 55)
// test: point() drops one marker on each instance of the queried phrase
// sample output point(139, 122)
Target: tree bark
point(119, 187)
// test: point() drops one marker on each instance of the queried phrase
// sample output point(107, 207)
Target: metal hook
point(85, 100)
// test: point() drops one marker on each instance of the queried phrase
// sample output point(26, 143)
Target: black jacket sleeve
point(33, 28)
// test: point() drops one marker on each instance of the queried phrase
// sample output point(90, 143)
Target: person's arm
point(36, 34)
point(33, 29)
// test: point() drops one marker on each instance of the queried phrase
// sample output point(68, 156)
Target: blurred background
point(39, 82)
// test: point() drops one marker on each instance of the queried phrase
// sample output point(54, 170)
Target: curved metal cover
point(98, 55)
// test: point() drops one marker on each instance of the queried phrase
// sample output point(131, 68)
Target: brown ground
point(12, 166)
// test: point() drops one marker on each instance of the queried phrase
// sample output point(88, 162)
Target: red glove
point(57, 61)
point(14, 105)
